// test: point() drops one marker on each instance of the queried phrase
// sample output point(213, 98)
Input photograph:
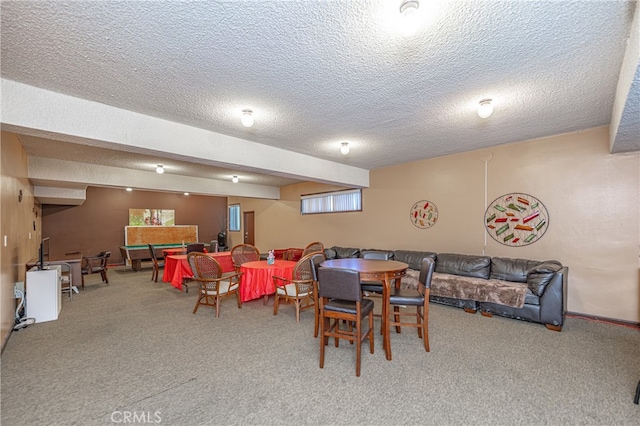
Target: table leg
point(385, 318)
point(136, 265)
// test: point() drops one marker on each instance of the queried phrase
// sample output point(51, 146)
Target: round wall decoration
point(516, 219)
point(424, 214)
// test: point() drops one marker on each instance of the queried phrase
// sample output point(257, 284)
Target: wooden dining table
point(374, 270)
point(257, 277)
point(176, 267)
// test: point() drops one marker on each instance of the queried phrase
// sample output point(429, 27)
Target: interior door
point(249, 235)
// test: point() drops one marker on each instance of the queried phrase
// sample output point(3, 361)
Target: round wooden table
point(375, 270)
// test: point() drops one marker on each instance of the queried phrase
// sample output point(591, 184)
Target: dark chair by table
point(197, 247)
point(374, 287)
point(96, 264)
point(213, 285)
point(243, 253)
point(298, 289)
point(340, 298)
point(418, 298)
point(315, 260)
point(157, 264)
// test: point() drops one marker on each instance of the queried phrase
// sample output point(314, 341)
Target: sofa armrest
point(553, 302)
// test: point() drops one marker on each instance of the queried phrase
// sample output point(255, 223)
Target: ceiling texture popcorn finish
point(116, 88)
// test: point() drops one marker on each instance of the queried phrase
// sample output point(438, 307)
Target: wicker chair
point(213, 285)
point(300, 289)
point(243, 253)
point(313, 247)
point(157, 264)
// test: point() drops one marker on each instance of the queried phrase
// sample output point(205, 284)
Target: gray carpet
point(135, 349)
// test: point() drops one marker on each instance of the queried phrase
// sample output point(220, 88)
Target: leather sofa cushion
point(330, 253)
point(413, 258)
point(346, 252)
point(389, 253)
point(511, 269)
point(540, 275)
point(464, 265)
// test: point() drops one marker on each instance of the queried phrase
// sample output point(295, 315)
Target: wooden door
point(249, 235)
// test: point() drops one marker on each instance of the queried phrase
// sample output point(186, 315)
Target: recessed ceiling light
point(234, 179)
point(247, 118)
point(186, 193)
point(129, 189)
point(160, 169)
point(485, 109)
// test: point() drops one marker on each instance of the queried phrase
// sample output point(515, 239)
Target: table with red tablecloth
point(176, 267)
point(257, 277)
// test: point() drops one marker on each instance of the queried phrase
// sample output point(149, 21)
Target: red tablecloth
point(257, 281)
point(176, 267)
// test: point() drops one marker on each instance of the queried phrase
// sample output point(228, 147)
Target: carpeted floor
point(132, 352)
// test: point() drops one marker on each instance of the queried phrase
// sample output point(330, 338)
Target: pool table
point(136, 254)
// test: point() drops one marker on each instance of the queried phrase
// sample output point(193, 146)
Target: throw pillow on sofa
point(539, 276)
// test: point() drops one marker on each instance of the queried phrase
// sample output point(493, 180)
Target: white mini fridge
point(44, 293)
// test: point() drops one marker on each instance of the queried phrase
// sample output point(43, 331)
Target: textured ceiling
point(316, 73)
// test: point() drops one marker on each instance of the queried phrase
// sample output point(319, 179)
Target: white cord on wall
point(486, 158)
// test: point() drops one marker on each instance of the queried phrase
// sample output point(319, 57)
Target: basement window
point(332, 202)
point(234, 217)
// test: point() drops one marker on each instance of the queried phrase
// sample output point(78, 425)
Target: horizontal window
point(331, 202)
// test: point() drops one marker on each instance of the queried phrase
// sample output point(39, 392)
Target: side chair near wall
point(243, 253)
point(96, 264)
point(213, 285)
point(340, 298)
point(299, 289)
point(418, 298)
point(157, 264)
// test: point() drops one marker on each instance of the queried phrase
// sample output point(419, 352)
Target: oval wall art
point(516, 219)
point(424, 214)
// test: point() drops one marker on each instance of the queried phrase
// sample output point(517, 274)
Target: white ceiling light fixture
point(160, 169)
point(410, 16)
point(344, 148)
point(485, 109)
point(234, 179)
point(247, 118)
point(186, 193)
point(129, 189)
point(409, 6)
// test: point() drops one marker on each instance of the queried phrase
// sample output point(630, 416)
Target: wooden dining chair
point(418, 298)
point(157, 263)
point(197, 247)
point(96, 265)
point(212, 283)
point(316, 259)
point(340, 298)
point(299, 289)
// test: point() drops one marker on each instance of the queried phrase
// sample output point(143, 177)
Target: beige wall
point(592, 198)
point(16, 224)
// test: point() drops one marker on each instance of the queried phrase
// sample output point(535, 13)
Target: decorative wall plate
point(516, 219)
point(424, 214)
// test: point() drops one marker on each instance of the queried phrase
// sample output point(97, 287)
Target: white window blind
point(234, 217)
point(331, 202)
